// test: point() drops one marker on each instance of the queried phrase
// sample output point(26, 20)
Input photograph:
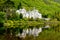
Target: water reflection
point(34, 31)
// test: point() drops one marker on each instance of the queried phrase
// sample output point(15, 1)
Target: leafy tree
point(2, 17)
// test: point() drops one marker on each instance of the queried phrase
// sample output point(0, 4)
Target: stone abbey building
point(29, 14)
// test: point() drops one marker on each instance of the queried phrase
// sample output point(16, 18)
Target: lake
point(47, 32)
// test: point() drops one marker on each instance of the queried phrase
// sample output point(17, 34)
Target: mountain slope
point(46, 7)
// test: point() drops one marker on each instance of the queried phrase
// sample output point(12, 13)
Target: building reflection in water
point(34, 31)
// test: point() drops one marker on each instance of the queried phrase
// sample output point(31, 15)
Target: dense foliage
point(10, 20)
point(47, 8)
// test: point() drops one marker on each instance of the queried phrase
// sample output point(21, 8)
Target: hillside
point(57, 1)
point(46, 7)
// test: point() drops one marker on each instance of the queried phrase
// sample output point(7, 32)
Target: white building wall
point(34, 13)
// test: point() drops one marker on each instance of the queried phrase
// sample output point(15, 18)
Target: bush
point(2, 17)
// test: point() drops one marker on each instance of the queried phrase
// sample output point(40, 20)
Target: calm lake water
point(48, 32)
